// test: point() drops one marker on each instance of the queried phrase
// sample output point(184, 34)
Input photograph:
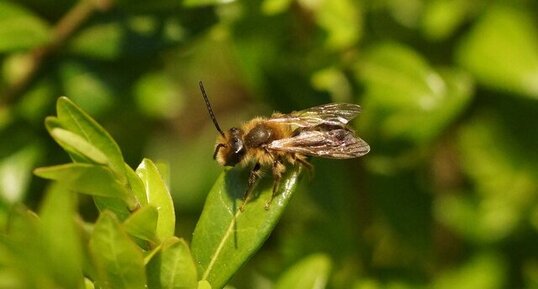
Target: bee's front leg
point(252, 178)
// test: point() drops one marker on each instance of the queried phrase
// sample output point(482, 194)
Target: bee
point(287, 139)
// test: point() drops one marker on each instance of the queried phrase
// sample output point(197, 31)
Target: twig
point(63, 30)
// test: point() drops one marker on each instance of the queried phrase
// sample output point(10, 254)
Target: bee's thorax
point(259, 135)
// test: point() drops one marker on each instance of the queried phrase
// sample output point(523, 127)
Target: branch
point(64, 29)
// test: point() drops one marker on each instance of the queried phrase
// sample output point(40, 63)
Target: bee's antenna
point(208, 105)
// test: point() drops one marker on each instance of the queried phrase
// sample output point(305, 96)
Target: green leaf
point(310, 273)
point(52, 123)
point(87, 86)
point(159, 197)
point(88, 284)
point(64, 250)
point(503, 176)
point(172, 267)
point(403, 92)
point(204, 285)
point(157, 95)
point(272, 7)
point(342, 20)
point(486, 270)
point(118, 260)
point(225, 237)
point(95, 180)
point(136, 185)
point(101, 41)
point(441, 18)
point(72, 118)
point(20, 29)
point(24, 254)
point(501, 51)
point(15, 173)
point(73, 142)
point(197, 3)
point(141, 6)
point(143, 223)
point(85, 178)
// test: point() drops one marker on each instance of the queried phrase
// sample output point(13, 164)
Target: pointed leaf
point(15, 173)
point(172, 267)
point(24, 254)
point(136, 185)
point(118, 260)
point(159, 197)
point(225, 237)
point(20, 29)
point(52, 122)
point(501, 50)
point(310, 273)
point(404, 92)
point(143, 223)
point(73, 142)
point(85, 178)
point(204, 285)
point(74, 119)
point(64, 250)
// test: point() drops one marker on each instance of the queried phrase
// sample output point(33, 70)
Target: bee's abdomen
point(259, 135)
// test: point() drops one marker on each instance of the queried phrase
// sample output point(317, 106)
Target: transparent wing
point(337, 143)
point(333, 114)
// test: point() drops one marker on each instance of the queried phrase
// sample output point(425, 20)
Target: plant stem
point(64, 29)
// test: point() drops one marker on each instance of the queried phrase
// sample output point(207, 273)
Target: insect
point(287, 139)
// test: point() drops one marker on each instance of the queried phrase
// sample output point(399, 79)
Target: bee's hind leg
point(278, 170)
point(308, 166)
point(253, 177)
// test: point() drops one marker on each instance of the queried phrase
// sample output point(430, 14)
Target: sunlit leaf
point(118, 260)
point(172, 267)
point(64, 250)
point(341, 19)
point(20, 29)
point(87, 86)
point(85, 178)
point(98, 181)
point(74, 142)
point(442, 17)
point(103, 41)
point(88, 284)
point(26, 256)
point(157, 95)
point(501, 51)
point(310, 273)
point(485, 271)
point(225, 237)
point(195, 3)
point(15, 173)
point(133, 35)
point(275, 6)
point(159, 197)
point(72, 118)
point(504, 179)
point(404, 93)
point(143, 223)
point(136, 185)
point(203, 284)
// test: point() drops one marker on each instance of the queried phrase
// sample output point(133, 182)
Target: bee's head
point(230, 149)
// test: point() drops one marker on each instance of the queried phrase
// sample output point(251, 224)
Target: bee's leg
point(278, 170)
point(309, 167)
point(252, 178)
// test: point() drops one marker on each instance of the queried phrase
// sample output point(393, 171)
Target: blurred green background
point(447, 198)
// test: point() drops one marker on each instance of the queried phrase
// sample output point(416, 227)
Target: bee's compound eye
point(237, 145)
point(236, 142)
